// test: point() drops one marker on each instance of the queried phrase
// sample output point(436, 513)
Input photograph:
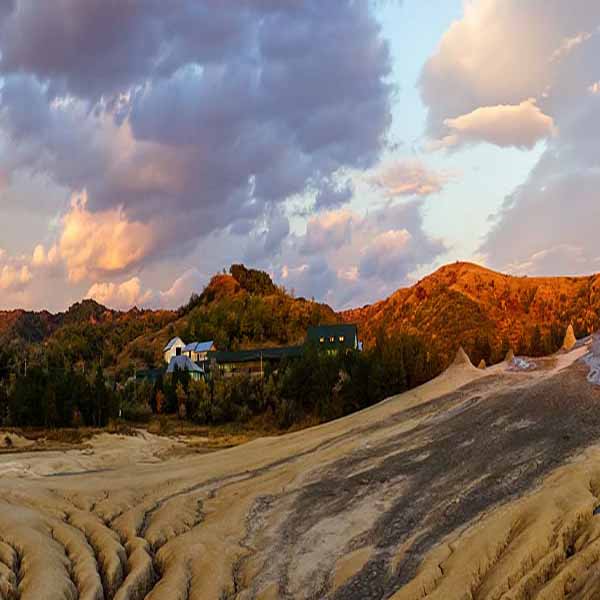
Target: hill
point(485, 311)
point(459, 304)
point(86, 332)
point(243, 309)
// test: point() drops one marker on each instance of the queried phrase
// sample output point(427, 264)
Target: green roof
point(334, 336)
point(255, 354)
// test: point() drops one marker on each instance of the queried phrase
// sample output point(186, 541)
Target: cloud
point(549, 223)
point(348, 259)
point(521, 126)
point(562, 258)
point(102, 243)
point(329, 231)
point(43, 259)
point(191, 120)
point(569, 44)
point(13, 277)
point(15, 274)
point(549, 226)
point(331, 196)
point(408, 178)
point(387, 256)
point(503, 51)
point(120, 296)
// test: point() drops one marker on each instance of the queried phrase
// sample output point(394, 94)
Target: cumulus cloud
point(102, 243)
point(387, 254)
point(354, 259)
point(521, 126)
point(501, 52)
point(41, 258)
point(408, 178)
point(132, 292)
point(328, 231)
point(13, 277)
point(121, 296)
point(549, 224)
point(15, 273)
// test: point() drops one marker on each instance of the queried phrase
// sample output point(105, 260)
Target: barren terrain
point(479, 484)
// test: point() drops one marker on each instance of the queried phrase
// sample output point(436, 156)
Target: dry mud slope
point(480, 484)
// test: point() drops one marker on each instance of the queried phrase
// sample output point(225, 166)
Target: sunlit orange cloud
point(120, 295)
point(12, 277)
point(102, 243)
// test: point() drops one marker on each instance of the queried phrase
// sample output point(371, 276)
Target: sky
point(348, 147)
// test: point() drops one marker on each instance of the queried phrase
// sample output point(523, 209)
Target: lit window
point(342, 338)
point(322, 340)
point(332, 339)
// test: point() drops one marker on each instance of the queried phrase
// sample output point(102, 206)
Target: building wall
point(173, 351)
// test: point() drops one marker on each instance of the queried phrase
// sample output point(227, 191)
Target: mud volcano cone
point(482, 364)
point(570, 339)
point(510, 356)
point(462, 358)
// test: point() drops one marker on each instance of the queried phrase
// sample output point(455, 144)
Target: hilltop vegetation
point(242, 309)
point(486, 312)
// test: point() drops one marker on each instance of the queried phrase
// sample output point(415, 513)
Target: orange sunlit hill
point(459, 304)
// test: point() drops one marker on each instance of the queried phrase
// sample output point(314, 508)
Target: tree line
point(316, 386)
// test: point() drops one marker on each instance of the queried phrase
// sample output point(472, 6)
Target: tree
point(536, 347)
point(181, 401)
point(199, 401)
point(161, 402)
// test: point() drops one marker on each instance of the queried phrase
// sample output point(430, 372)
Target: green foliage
point(246, 319)
point(318, 385)
point(56, 396)
point(252, 280)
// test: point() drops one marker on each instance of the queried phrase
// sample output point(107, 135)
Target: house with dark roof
point(173, 348)
point(183, 363)
point(251, 362)
point(334, 337)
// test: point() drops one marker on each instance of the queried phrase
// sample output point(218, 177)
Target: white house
point(173, 348)
point(198, 351)
point(183, 363)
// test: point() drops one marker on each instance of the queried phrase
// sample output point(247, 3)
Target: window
point(332, 339)
point(342, 339)
point(322, 340)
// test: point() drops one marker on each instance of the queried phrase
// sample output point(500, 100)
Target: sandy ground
point(479, 484)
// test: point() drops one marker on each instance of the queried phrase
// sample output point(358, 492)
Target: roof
point(198, 346)
point(172, 343)
point(256, 354)
point(348, 331)
point(183, 363)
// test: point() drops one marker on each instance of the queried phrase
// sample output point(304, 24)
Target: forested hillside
point(486, 312)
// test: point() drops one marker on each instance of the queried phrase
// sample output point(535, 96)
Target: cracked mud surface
point(477, 485)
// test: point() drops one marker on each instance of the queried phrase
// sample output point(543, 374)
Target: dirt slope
point(428, 492)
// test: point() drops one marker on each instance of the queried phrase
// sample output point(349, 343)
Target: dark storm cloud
point(193, 114)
